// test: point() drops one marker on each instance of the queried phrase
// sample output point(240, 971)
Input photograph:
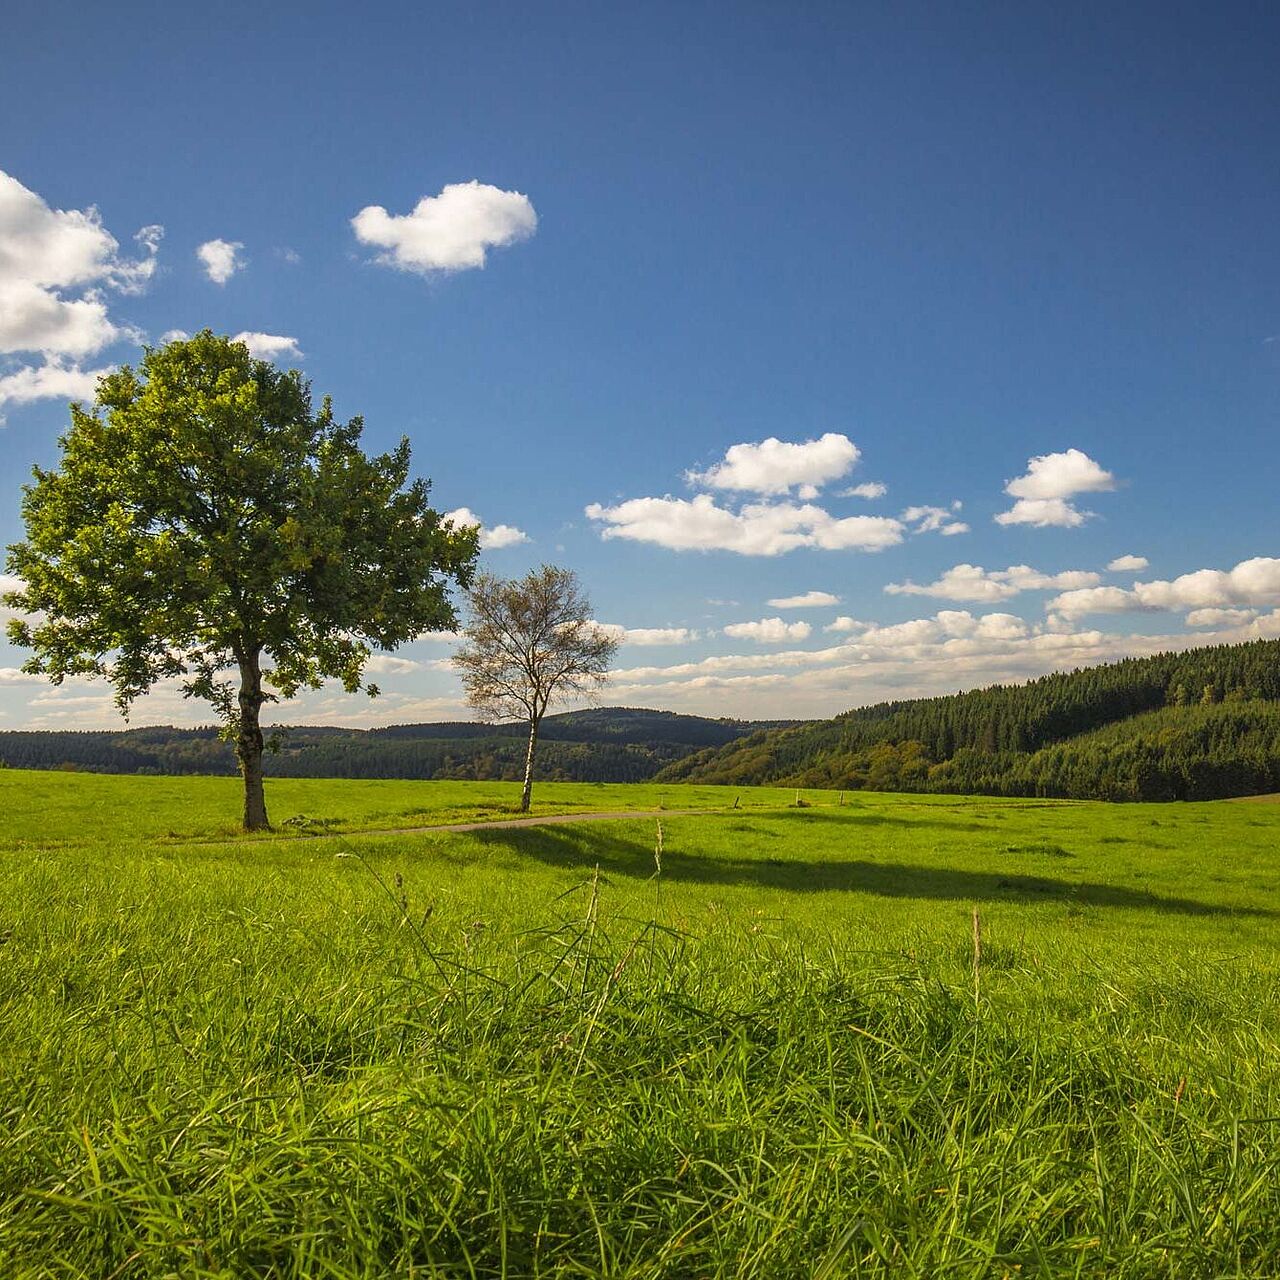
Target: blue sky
point(916, 246)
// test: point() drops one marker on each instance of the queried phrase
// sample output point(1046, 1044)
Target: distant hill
point(1201, 724)
point(601, 744)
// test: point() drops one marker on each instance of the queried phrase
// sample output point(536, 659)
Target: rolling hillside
point(601, 744)
point(1196, 725)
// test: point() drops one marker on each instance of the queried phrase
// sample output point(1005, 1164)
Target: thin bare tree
point(528, 643)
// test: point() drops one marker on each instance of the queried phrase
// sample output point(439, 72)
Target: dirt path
point(620, 815)
point(497, 824)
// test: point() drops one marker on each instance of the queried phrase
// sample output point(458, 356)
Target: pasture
point(764, 1046)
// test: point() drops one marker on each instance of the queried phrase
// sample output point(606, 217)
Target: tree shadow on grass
point(616, 855)
point(853, 816)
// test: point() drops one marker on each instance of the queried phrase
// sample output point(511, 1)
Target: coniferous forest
point(1198, 725)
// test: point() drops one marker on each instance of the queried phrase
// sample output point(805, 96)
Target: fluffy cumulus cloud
point(935, 520)
point(844, 623)
point(809, 600)
point(269, 346)
point(221, 259)
point(452, 231)
point(1128, 564)
point(492, 537)
point(1253, 582)
point(764, 505)
point(769, 631)
point(756, 529)
point(53, 380)
point(57, 267)
point(973, 582)
point(648, 636)
point(1043, 495)
point(868, 489)
point(1218, 618)
point(776, 467)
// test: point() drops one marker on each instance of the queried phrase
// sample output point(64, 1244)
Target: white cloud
point(1061, 475)
point(648, 636)
point(1080, 603)
point(1251, 582)
point(11, 582)
point(492, 538)
point(870, 489)
point(50, 381)
point(174, 335)
point(923, 656)
point(777, 466)
point(384, 664)
point(1051, 479)
point(1128, 564)
point(1220, 617)
point(33, 318)
point(221, 259)
point(54, 264)
point(452, 231)
point(269, 346)
point(502, 535)
point(14, 675)
point(936, 520)
point(1043, 513)
point(846, 623)
point(759, 529)
point(810, 600)
point(973, 582)
point(768, 631)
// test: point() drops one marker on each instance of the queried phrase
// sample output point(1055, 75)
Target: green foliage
point(202, 512)
point(1044, 738)
point(768, 1063)
point(203, 518)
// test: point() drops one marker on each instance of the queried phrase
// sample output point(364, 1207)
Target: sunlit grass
point(523, 1052)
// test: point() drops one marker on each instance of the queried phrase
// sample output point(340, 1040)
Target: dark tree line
point(1194, 725)
point(608, 744)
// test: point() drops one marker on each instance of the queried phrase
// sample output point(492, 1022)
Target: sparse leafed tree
point(206, 526)
point(529, 643)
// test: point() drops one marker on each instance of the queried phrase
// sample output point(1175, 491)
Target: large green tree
point(207, 525)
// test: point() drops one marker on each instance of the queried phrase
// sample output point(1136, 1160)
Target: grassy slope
point(249, 1058)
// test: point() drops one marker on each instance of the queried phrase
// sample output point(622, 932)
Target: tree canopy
point(206, 525)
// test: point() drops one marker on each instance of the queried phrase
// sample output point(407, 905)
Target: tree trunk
point(249, 745)
point(528, 767)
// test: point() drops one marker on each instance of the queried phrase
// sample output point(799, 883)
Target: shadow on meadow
point(850, 817)
point(617, 855)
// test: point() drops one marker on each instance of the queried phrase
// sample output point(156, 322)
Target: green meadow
point(760, 1040)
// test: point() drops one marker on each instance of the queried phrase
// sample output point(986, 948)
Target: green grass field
point(529, 1052)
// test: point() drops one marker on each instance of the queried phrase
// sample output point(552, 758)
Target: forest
point(1199, 725)
point(601, 744)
